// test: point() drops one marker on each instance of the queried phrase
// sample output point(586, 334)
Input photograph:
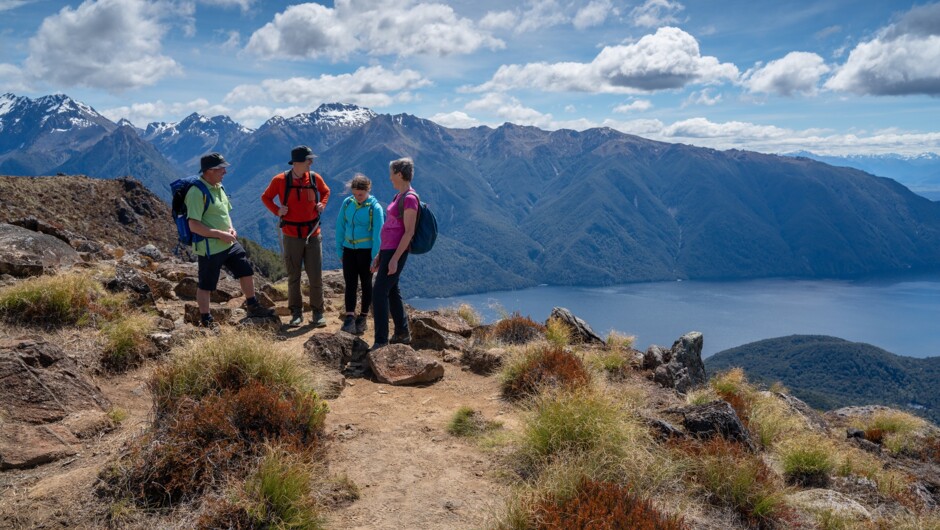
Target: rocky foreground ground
point(391, 457)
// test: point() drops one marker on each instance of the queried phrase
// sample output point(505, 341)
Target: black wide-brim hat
point(212, 161)
point(301, 153)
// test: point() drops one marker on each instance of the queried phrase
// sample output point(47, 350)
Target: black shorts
point(234, 259)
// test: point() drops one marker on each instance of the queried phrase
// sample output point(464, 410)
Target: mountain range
point(828, 372)
point(518, 206)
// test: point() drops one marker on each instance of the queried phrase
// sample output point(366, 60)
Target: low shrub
point(517, 329)
point(467, 421)
point(766, 416)
point(117, 415)
point(126, 341)
point(202, 442)
point(619, 341)
point(228, 361)
point(602, 506)
point(50, 300)
point(734, 478)
point(527, 374)
point(616, 363)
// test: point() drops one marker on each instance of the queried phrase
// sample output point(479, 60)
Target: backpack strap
point(401, 203)
point(207, 199)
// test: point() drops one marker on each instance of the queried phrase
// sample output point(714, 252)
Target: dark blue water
point(901, 315)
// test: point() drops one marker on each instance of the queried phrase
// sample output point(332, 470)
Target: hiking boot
point(349, 325)
point(401, 338)
point(378, 345)
point(296, 320)
point(209, 324)
point(362, 322)
point(318, 321)
point(259, 311)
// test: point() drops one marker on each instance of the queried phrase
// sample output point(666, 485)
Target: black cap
point(301, 153)
point(211, 161)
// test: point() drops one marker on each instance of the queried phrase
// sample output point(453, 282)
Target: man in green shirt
point(217, 246)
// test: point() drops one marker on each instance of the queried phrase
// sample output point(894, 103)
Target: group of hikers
point(369, 240)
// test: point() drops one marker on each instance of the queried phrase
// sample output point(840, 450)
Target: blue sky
point(834, 77)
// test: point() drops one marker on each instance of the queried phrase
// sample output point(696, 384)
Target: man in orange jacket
point(302, 195)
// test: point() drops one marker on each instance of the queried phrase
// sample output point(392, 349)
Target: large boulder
point(26, 253)
point(334, 350)
point(425, 335)
point(445, 322)
point(41, 384)
point(681, 366)
point(713, 419)
point(26, 446)
point(399, 364)
point(581, 332)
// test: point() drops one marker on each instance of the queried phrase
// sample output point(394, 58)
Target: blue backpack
point(179, 188)
point(425, 226)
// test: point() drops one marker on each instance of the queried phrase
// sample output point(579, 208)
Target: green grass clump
point(60, 300)
point(899, 432)
point(579, 421)
point(557, 333)
point(282, 492)
point(616, 363)
point(469, 315)
point(117, 415)
point(619, 341)
point(468, 421)
point(127, 340)
point(228, 361)
point(733, 478)
point(807, 461)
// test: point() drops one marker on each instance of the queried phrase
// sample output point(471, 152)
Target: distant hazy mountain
point(828, 372)
point(183, 143)
point(920, 173)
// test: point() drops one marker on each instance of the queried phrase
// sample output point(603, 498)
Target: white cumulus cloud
point(638, 105)
point(510, 109)
point(593, 14)
point(376, 27)
point(499, 20)
point(656, 13)
point(244, 5)
point(110, 44)
point(668, 59)
point(372, 86)
point(455, 120)
point(901, 59)
point(795, 73)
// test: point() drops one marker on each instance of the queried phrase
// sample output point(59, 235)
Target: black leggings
point(356, 262)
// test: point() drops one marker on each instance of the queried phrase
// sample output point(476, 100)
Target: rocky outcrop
point(679, 367)
point(716, 419)
point(41, 384)
point(814, 420)
point(26, 253)
point(399, 364)
point(581, 332)
point(334, 350)
point(131, 281)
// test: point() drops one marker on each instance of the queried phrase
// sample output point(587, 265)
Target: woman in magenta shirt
point(399, 228)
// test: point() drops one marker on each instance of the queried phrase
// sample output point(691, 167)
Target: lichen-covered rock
point(132, 282)
point(716, 419)
point(26, 253)
point(399, 364)
point(682, 367)
point(334, 350)
point(580, 330)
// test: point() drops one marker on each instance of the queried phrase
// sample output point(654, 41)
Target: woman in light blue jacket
point(358, 227)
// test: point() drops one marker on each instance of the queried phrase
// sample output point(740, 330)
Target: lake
point(901, 315)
